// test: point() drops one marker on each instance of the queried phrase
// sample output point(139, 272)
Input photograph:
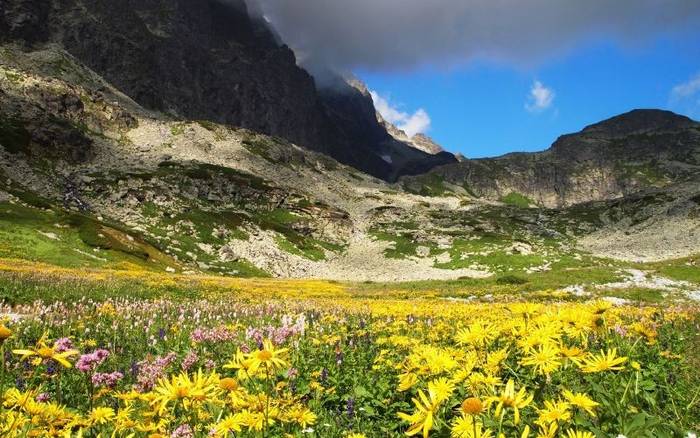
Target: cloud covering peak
point(404, 34)
point(417, 123)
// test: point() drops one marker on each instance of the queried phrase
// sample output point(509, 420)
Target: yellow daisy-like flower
point(101, 415)
point(44, 353)
point(571, 433)
point(581, 400)
point(302, 416)
point(605, 361)
point(407, 381)
point(509, 399)
point(423, 417)
point(544, 359)
point(466, 426)
point(554, 412)
point(267, 357)
point(186, 390)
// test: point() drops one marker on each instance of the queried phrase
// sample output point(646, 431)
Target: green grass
point(404, 244)
point(431, 184)
point(79, 241)
point(685, 269)
point(636, 294)
point(465, 287)
point(517, 200)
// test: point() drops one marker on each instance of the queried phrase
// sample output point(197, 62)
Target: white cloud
point(411, 124)
point(685, 97)
point(687, 89)
point(540, 98)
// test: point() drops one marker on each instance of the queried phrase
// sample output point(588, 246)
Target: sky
point(489, 109)
point(487, 77)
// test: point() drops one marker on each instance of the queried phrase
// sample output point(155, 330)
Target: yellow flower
point(440, 389)
point(553, 412)
point(545, 359)
point(477, 334)
point(44, 353)
point(232, 423)
point(578, 434)
point(101, 415)
point(4, 333)
point(355, 435)
point(604, 361)
point(548, 431)
point(184, 389)
point(581, 400)
point(510, 399)
point(407, 381)
point(472, 406)
point(228, 384)
point(267, 357)
point(302, 416)
point(423, 417)
point(466, 426)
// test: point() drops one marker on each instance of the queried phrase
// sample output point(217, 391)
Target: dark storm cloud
point(402, 34)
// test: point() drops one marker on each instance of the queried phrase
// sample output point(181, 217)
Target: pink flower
point(189, 360)
point(219, 334)
point(109, 380)
point(152, 370)
point(88, 362)
point(184, 431)
point(63, 344)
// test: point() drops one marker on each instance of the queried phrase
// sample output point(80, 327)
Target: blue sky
point(485, 109)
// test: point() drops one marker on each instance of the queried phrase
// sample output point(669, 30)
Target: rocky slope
point(88, 177)
point(608, 160)
point(213, 60)
point(109, 158)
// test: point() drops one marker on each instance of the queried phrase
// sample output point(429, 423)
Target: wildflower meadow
point(309, 363)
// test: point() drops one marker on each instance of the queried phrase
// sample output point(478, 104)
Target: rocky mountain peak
point(213, 60)
point(639, 121)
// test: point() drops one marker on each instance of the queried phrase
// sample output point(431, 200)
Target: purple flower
point(109, 380)
point(220, 334)
point(350, 407)
point(43, 397)
point(88, 362)
point(189, 360)
point(184, 431)
point(152, 370)
point(63, 344)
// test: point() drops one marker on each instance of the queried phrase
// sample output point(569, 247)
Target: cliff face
point(207, 60)
point(635, 151)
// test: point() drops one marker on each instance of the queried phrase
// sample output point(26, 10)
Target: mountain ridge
point(606, 160)
point(211, 60)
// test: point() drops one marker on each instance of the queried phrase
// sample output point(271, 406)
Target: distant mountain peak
point(639, 121)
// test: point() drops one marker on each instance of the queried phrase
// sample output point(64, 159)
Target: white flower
point(620, 436)
point(691, 435)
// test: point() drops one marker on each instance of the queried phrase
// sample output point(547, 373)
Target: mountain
point(212, 60)
point(617, 157)
point(155, 135)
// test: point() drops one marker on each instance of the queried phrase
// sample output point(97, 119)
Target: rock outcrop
point(212, 60)
point(628, 153)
